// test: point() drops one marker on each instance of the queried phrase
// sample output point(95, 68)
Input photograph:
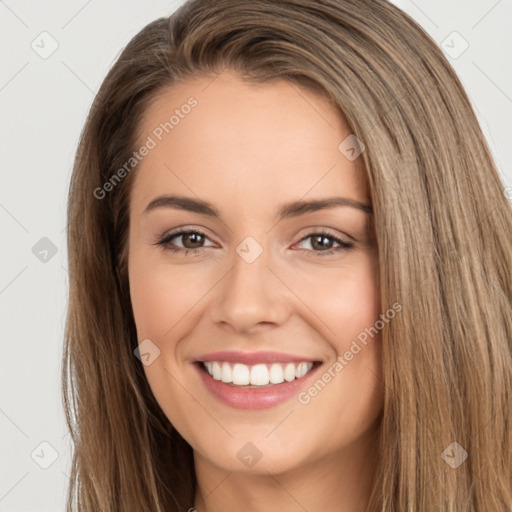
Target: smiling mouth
point(258, 375)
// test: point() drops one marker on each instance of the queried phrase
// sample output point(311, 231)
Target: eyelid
point(183, 230)
point(316, 230)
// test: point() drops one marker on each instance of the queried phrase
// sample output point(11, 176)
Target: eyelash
point(166, 244)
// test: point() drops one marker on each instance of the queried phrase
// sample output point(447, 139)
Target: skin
point(248, 149)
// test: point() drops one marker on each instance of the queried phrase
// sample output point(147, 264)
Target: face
point(238, 268)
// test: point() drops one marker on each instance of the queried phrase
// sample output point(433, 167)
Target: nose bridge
point(249, 276)
point(250, 293)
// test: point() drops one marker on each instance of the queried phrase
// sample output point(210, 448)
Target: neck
point(339, 482)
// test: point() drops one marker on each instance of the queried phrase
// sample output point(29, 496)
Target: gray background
point(43, 103)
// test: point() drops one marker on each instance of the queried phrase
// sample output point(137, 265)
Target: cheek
point(348, 303)
point(348, 393)
point(161, 294)
point(358, 340)
point(345, 300)
point(163, 300)
point(354, 306)
point(152, 306)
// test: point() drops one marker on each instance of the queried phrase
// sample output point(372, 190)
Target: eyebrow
point(288, 210)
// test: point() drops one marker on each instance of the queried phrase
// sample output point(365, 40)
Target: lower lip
point(253, 398)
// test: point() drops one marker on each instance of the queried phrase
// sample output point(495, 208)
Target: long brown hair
point(443, 227)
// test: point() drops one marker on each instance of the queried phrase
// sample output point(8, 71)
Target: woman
point(291, 271)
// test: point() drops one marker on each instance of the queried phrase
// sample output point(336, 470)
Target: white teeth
point(227, 374)
point(217, 371)
point(240, 374)
point(289, 372)
point(302, 369)
point(258, 375)
point(276, 374)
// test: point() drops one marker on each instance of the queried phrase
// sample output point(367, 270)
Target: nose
point(251, 297)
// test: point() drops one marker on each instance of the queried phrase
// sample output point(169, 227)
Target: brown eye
point(323, 243)
point(190, 241)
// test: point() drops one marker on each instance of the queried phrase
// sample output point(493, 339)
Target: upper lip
point(252, 358)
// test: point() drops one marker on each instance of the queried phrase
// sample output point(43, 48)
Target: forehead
point(225, 137)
